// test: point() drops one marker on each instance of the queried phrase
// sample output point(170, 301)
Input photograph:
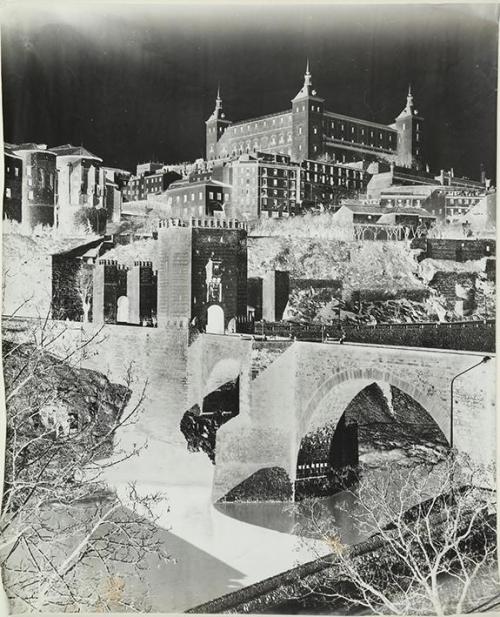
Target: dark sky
point(137, 82)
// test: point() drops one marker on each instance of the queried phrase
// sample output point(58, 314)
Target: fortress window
point(315, 130)
point(185, 198)
point(210, 195)
point(16, 172)
point(192, 196)
point(30, 194)
point(30, 182)
point(219, 195)
point(28, 170)
point(7, 192)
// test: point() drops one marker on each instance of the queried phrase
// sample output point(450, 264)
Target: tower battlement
point(206, 222)
point(218, 223)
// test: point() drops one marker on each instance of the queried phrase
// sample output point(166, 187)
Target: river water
point(219, 548)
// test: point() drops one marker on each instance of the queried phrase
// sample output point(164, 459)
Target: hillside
point(367, 265)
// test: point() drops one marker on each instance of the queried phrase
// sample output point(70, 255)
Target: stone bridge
point(288, 389)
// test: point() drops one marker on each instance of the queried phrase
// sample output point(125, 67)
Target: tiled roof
point(178, 184)
point(411, 211)
point(69, 150)
point(26, 146)
point(363, 208)
point(419, 189)
point(9, 151)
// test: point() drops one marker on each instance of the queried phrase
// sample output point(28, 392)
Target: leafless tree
point(67, 542)
point(83, 285)
point(431, 545)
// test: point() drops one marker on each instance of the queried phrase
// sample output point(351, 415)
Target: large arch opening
point(364, 425)
point(220, 403)
point(215, 319)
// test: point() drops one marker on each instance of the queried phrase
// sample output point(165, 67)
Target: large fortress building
point(308, 131)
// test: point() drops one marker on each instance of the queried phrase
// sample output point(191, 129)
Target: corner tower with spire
point(409, 127)
point(216, 125)
point(307, 121)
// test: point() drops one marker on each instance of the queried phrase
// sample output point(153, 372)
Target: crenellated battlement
point(218, 223)
point(165, 223)
point(107, 262)
point(143, 264)
point(206, 222)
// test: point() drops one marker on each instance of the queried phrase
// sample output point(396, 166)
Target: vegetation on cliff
point(65, 538)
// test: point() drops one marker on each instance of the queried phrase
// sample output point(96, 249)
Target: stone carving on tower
point(213, 280)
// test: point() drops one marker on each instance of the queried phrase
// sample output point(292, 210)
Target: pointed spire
point(218, 100)
point(409, 99)
point(217, 112)
point(408, 110)
point(307, 76)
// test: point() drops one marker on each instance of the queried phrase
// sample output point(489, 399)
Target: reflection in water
point(289, 518)
point(343, 507)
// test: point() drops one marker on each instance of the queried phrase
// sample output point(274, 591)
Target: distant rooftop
point(25, 146)
point(421, 212)
point(70, 150)
point(359, 208)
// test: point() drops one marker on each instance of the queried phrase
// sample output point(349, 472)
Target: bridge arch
point(223, 371)
point(332, 397)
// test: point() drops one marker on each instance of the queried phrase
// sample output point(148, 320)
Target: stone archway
point(122, 309)
point(329, 402)
point(225, 370)
point(215, 319)
point(355, 412)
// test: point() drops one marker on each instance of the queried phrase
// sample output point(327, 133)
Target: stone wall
point(456, 287)
point(152, 357)
point(469, 335)
point(460, 335)
point(456, 250)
